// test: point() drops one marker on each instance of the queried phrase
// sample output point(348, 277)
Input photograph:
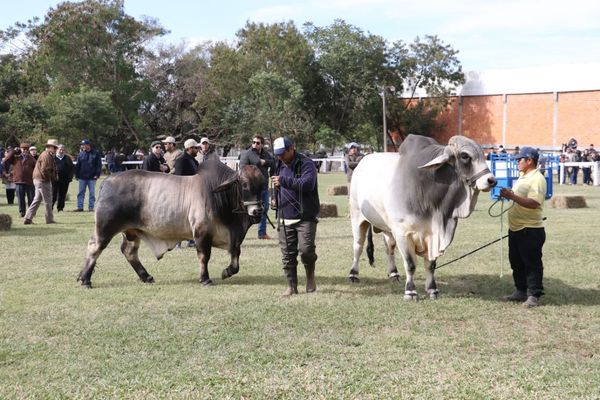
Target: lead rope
point(502, 211)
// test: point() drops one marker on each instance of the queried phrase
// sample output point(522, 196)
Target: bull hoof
point(353, 279)
point(410, 295)
point(86, 285)
point(434, 295)
point(225, 274)
point(149, 279)
point(207, 282)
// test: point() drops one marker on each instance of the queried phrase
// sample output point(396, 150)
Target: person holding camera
point(526, 234)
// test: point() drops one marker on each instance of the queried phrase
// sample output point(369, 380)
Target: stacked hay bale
point(340, 190)
point(568, 202)
point(5, 222)
point(328, 210)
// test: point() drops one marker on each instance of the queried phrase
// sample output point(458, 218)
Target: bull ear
point(227, 184)
point(442, 159)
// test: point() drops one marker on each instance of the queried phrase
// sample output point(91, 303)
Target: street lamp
point(392, 89)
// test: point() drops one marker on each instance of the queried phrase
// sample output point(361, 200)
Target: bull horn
point(440, 160)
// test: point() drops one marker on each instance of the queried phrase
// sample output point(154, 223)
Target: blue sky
point(489, 35)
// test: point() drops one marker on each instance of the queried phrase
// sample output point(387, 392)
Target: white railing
point(587, 164)
point(327, 164)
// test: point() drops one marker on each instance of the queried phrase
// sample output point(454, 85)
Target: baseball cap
point(156, 142)
point(204, 140)
point(190, 143)
point(169, 139)
point(85, 141)
point(528, 152)
point(281, 144)
point(353, 144)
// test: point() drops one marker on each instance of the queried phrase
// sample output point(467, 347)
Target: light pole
point(384, 121)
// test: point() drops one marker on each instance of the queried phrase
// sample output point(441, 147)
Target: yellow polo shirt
point(531, 185)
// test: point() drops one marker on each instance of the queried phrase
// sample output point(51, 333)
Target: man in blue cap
point(87, 171)
point(526, 234)
point(298, 207)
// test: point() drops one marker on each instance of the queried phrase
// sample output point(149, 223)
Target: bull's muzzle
point(254, 208)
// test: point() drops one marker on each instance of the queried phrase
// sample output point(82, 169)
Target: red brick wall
point(579, 117)
point(529, 119)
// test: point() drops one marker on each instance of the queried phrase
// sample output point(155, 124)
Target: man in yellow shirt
point(526, 234)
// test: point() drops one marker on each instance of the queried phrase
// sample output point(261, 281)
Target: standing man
point(298, 206)
point(65, 169)
point(87, 171)
point(23, 165)
point(352, 159)
point(526, 234)
point(172, 153)
point(188, 165)
point(33, 152)
point(256, 155)
point(155, 161)
point(205, 153)
point(43, 176)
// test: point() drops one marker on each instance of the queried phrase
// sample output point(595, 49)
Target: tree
point(270, 71)
point(428, 66)
point(88, 113)
point(177, 77)
point(94, 43)
point(350, 63)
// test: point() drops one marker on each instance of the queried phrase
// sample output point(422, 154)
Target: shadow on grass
point(28, 231)
point(484, 287)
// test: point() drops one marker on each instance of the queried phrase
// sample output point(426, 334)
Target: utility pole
point(384, 121)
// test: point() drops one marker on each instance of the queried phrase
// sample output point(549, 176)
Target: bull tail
point(370, 247)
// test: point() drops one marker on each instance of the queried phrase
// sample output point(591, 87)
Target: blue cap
point(85, 141)
point(528, 152)
point(281, 144)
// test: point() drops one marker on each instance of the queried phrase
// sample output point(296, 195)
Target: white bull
point(415, 197)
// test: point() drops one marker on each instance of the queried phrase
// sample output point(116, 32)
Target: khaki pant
point(43, 191)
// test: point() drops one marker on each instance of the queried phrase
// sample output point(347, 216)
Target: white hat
point(204, 140)
point(32, 148)
point(52, 142)
point(169, 139)
point(190, 143)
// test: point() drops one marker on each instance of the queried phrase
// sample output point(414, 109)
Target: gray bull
point(215, 208)
point(415, 198)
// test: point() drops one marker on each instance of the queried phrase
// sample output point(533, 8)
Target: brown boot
point(311, 285)
point(291, 289)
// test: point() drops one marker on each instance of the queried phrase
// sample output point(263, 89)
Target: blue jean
point(91, 185)
point(262, 225)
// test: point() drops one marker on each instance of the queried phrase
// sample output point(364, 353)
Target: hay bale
point(5, 222)
point(328, 210)
point(568, 202)
point(341, 190)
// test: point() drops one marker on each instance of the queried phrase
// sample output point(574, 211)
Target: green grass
point(238, 339)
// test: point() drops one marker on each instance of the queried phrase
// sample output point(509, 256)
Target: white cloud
point(275, 13)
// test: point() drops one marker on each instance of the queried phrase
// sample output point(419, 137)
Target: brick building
point(540, 107)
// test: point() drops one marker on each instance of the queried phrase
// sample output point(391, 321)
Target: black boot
point(311, 285)
point(292, 279)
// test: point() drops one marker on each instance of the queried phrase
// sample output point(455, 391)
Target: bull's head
point(467, 158)
point(249, 183)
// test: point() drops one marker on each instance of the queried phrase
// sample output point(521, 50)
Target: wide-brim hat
point(52, 142)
